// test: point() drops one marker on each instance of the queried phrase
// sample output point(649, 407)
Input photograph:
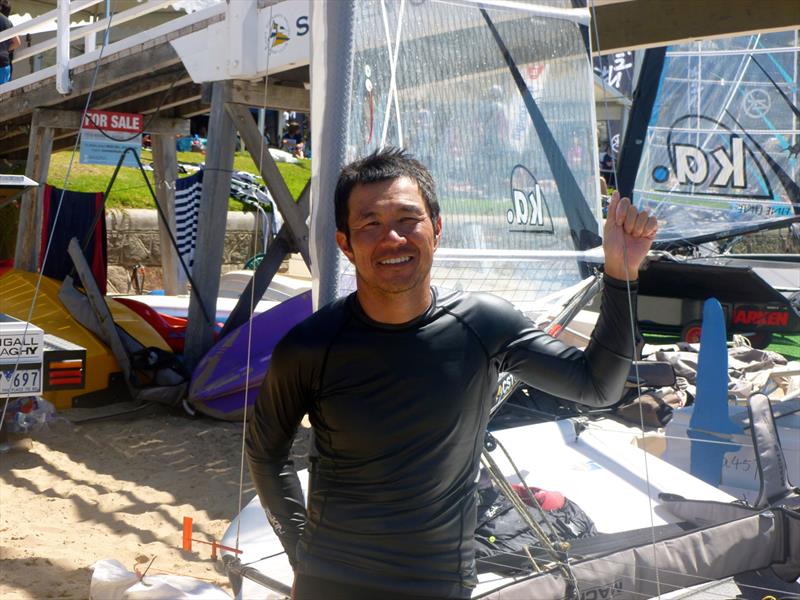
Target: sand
point(116, 488)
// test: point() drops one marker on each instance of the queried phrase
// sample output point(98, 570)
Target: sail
point(496, 98)
point(722, 147)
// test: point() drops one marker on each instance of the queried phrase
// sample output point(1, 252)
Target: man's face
point(392, 237)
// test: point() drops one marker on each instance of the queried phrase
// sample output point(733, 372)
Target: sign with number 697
point(22, 380)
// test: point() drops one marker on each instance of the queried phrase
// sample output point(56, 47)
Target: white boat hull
point(616, 485)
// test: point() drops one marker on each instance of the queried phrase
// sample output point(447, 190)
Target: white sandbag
point(282, 156)
point(112, 581)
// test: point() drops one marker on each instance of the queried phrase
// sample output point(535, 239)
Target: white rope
point(632, 324)
point(243, 448)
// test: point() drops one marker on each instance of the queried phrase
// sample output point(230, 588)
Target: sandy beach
point(116, 488)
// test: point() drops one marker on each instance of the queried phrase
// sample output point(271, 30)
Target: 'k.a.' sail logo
point(715, 162)
point(707, 158)
point(529, 211)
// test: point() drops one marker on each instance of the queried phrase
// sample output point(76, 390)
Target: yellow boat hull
point(16, 293)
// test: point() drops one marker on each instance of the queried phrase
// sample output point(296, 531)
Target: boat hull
point(226, 382)
point(49, 313)
point(616, 485)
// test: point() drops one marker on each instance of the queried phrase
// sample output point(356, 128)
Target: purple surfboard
point(220, 387)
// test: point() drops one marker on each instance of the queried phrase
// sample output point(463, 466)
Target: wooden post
point(101, 311)
point(211, 226)
point(29, 233)
point(261, 279)
point(293, 212)
point(165, 171)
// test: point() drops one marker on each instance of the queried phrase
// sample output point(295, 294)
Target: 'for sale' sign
point(105, 136)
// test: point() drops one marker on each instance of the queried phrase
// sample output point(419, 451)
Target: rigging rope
point(393, 56)
point(149, 120)
point(630, 311)
point(252, 314)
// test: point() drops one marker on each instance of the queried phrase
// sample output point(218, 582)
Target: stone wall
point(134, 246)
point(133, 240)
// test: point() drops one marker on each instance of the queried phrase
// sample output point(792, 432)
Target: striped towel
point(187, 208)
point(78, 210)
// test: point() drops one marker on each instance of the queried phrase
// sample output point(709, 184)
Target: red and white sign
point(113, 121)
point(106, 135)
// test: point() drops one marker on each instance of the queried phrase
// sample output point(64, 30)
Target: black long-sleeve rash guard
point(399, 414)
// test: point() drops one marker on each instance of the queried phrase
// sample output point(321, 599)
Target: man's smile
point(395, 261)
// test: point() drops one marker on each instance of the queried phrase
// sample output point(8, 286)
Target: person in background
point(292, 140)
point(7, 47)
point(398, 379)
point(607, 168)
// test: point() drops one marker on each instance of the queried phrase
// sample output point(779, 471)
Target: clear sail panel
point(497, 102)
point(723, 143)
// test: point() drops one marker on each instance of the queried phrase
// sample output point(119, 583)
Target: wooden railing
point(88, 32)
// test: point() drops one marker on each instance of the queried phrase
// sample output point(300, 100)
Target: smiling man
point(397, 380)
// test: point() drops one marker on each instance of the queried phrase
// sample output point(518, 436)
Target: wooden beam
point(141, 88)
point(193, 109)
point(165, 172)
point(262, 277)
point(67, 124)
point(29, 232)
point(111, 72)
point(183, 95)
point(293, 214)
point(70, 119)
point(211, 227)
point(282, 97)
point(650, 23)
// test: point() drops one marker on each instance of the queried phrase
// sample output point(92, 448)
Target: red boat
point(172, 329)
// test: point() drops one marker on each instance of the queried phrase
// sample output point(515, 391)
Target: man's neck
point(394, 309)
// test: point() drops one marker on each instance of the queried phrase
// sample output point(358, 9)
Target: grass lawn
point(130, 190)
point(787, 345)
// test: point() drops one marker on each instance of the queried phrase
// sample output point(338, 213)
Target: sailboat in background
point(720, 156)
point(720, 124)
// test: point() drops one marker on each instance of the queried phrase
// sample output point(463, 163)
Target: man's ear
point(344, 245)
point(437, 231)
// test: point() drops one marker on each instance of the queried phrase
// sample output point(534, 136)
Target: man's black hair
point(5, 8)
point(383, 165)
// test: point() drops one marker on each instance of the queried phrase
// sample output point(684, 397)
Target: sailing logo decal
point(529, 211)
point(718, 166)
point(756, 103)
point(278, 33)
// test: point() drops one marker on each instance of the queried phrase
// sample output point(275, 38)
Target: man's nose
point(393, 233)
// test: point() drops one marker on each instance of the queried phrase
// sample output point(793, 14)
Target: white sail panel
point(497, 101)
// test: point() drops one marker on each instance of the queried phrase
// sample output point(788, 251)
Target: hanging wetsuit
point(399, 414)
